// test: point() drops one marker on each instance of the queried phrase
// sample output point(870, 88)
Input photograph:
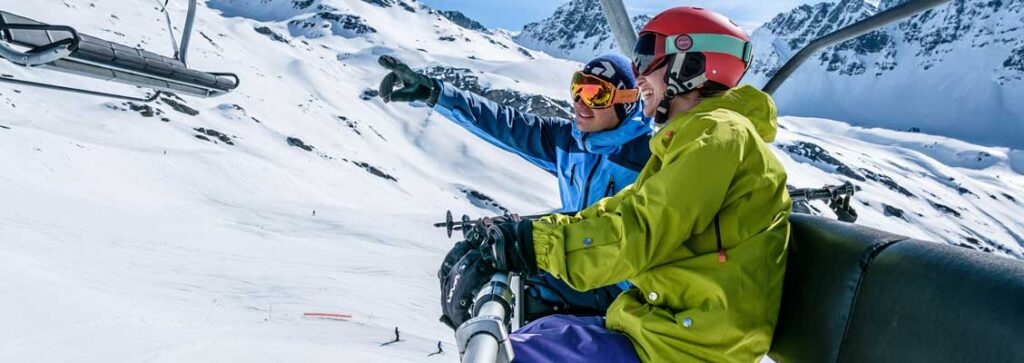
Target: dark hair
point(712, 89)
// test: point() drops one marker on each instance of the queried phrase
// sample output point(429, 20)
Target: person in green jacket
point(701, 235)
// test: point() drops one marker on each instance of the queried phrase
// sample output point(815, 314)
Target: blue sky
point(513, 15)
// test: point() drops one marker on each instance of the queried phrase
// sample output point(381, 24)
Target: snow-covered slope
point(577, 30)
point(201, 230)
point(134, 232)
point(929, 187)
point(956, 71)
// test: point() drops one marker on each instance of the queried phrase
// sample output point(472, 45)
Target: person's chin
point(583, 123)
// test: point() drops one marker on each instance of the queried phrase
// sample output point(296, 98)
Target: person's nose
point(578, 102)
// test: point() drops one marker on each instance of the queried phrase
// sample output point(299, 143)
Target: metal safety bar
point(622, 26)
point(186, 33)
point(42, 54)
point(854, 30)
point(484, 338)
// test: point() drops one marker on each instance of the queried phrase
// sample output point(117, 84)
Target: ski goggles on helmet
point(646, 58)
point(597, 93)
point(652, 49)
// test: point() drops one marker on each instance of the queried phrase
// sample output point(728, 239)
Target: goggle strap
point(626, 95)
point(715, 43)
point(674, 88)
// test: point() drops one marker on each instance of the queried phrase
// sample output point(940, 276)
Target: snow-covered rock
point(462, 20)
point(577, 30)
point(957, 70)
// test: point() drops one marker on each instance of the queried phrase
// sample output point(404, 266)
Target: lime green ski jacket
point(687, 304)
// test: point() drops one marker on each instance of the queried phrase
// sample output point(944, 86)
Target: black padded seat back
point(110, 61)
point(856, 294)
point(822, 275)
point(930, 302)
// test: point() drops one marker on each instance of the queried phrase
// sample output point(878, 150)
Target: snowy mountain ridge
point(962, 62)
point(577, 30)
point(203, 229)
point(959, 64)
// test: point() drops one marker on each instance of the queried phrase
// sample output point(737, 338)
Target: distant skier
point(701, 234)
point(440, 350)
point(397, 339)
point(594, 156)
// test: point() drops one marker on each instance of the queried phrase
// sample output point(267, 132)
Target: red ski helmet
point(697, 45)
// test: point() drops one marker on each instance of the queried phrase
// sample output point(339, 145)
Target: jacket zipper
point(572, 175)
point(611, 186)
point(586, 186)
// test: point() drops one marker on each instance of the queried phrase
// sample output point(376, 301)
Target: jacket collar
point(611, 141)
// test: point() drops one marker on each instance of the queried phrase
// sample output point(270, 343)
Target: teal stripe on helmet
point(717, 43)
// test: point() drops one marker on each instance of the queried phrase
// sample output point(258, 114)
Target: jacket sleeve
point(533, 137)
point(646, 224)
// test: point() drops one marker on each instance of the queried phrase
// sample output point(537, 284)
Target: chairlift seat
point(98, 58)
point(857, 294)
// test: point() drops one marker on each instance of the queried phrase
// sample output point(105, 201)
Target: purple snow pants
point(567, 338)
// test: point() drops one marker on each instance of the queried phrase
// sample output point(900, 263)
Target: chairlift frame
point(64, 49)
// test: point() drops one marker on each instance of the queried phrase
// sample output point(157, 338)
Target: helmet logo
point(684, 43)
point(606, 70)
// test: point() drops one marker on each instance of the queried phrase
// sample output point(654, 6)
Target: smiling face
point(594, 120)
point(652, 90)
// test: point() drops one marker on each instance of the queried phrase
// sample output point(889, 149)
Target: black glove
point(415, 86)
point(508, 247)
point(475, 234)
point(488, 248)
point(460, 286)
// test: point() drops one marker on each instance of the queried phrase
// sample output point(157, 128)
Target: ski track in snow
point(126, 238)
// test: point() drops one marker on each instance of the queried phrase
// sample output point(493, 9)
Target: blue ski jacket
point(589, 166)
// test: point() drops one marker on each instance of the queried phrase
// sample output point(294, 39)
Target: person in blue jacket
point(593, 156)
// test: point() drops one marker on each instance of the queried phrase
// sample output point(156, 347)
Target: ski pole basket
point(62, 48)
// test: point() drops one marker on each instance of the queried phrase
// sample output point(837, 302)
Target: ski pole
point(450, 225)
point(827, 192)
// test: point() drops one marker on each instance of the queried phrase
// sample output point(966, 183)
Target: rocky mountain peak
point(577, 30)
point(957, 61)
point(462, 20)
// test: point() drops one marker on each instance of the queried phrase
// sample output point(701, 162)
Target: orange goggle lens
point(597, 93)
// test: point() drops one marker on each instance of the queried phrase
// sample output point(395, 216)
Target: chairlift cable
point(170, 25)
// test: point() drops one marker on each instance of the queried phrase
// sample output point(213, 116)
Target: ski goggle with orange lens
point(597, 93)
